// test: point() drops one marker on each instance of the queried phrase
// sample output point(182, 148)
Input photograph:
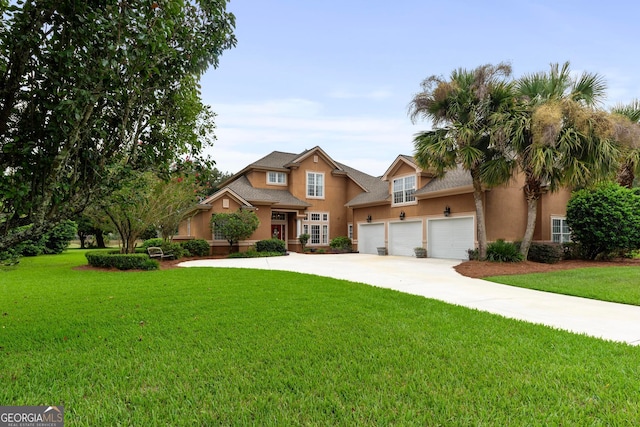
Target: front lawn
point(615, 284)
point(203, 346)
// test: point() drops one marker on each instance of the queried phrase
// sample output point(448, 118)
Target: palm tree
point(462, 107)
point(556, 135)
point(627, 134)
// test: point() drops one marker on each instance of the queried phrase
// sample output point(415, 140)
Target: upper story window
point(404, 189)
point(560, 232)
point(276, 178)
point(315, 185)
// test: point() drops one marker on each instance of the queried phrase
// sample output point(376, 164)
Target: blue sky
point(340, 74)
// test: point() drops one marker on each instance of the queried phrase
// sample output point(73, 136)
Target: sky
point(340, 74)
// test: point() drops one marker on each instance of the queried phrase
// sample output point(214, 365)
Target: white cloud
point(246, 132)
point(378, 94)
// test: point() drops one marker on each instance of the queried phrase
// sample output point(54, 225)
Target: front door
point(277, 231)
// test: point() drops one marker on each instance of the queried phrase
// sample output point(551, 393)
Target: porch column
point(298, 227)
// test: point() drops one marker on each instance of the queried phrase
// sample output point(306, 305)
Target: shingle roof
point(454, 178)
point(375, 190)
point(243, 187)
point(274, 160)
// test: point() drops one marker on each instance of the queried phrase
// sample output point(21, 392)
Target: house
point(406, 207)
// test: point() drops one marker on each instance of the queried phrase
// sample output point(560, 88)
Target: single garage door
point(404, 236)
point(450, 238)
point(370, 237)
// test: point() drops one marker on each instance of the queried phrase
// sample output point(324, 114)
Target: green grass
point(205, 346)
point(615, 284)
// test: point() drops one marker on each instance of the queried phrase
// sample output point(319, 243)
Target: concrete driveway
point(436, 279)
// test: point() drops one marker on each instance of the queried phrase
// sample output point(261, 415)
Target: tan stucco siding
point(506, 212)
point(551, 205)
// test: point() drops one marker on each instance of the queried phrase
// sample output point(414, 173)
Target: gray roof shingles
point(243, 188)
point(375, 190)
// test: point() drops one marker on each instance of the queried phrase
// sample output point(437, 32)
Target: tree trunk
point(532, 192)
point(100, 239)
point(482, 229)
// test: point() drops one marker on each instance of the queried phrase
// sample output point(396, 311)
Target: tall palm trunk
point(481, 227)
point(532, 192)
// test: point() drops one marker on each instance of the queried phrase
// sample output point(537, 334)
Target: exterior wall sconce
point(368, 218)
point(402, 215)
point(447, 211)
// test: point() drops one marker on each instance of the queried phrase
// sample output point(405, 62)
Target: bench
point(156, 252)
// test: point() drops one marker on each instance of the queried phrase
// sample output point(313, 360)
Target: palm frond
point(589, 88)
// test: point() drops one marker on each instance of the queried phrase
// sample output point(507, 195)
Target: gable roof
point(283, 162)
point(265, 195)
point(401, 159)
point(455, 179)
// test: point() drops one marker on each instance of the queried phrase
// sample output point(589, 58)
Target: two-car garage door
point(450, 238)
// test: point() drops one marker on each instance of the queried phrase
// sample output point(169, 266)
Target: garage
point(450, 238)
point(404, 237)
point(370, 237)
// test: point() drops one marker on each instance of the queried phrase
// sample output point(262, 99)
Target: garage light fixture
point(447, 211)
point(368, 218)
point(402, 215)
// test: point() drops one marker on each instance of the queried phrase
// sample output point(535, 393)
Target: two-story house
point(405, 208)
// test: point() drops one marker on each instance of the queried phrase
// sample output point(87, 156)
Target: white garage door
point(370, 237)
point(450, 238)
point(404, 236)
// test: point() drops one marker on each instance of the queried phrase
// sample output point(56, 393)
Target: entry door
point(277, 231)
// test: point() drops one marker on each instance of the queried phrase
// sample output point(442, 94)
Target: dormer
point(405, 177)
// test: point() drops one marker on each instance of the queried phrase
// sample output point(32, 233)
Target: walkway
point(436, 279)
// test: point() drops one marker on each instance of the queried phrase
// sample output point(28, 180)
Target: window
point(315, 185)
point(560, 230)
point(350, 231)
point(217, 235)
point(404, 189)
point(276, 178)
point(317, 226)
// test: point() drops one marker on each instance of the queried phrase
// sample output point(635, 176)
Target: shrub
point(173, 248)
point(58, 238)
point(157, 241)
point(120, 261)
point(474, 254)
point(545, 253)
point(31, 247)
point(9, 257)
point(271, 245)
point(304, 238)
point(605, 220)
point(252, 253)
point(342, 243)
point(196, 247)
point(501, 251)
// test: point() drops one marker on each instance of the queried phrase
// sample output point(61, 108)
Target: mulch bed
point(479, 269)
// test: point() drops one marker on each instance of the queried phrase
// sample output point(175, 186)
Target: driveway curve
point(436, 279)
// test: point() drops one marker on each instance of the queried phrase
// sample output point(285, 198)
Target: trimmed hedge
point(156, 241)
point(120, 261)
point(545, 253)
point(196, 247)
point(341, 243)
point(254, 254)
point(271, 245)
